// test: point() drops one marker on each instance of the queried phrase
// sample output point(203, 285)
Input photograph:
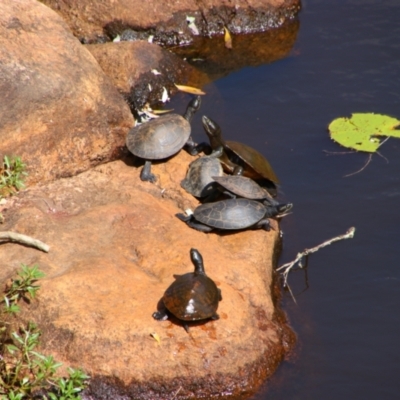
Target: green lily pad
point(362, 131)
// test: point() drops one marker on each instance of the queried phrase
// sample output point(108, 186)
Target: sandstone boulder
point(59, 112)
point(167, 21)
point(115, 246)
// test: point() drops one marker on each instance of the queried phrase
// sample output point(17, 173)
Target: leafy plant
point(24, 372)
point(12, 175)
point(363, 131)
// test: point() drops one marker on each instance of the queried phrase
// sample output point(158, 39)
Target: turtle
point(199, 179)
point(242, 186)
point(232, 214)
point(162, 137)
point(238, 158)
point(192, 297)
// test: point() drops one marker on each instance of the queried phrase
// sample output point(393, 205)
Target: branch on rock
point(24, 239)
point(298, 260)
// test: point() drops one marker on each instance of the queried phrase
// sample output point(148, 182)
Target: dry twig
point(288, 266)
point(24, 239)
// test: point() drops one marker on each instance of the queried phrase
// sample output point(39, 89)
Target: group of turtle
point(240, 199)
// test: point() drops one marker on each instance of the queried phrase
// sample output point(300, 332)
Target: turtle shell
point(230, 214)
point(199, 178)
point(254, 164)
point(159, 138)
point(192, 297)
point(243, 187)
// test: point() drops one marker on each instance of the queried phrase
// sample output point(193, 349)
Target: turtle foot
point(148, 178)
point(194, 149)
point(264, 224)
point(146, 175)
point(160, 315)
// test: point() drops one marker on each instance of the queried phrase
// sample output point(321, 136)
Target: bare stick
point(288, 266)
point(24, 239)
point(176, 393)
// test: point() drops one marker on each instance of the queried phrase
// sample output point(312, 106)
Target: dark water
point(346, 59)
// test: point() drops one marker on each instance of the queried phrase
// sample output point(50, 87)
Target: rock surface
point(59, 112)
point(115, 246)
point(115, 241)
point(103, 20)
point(141, 70)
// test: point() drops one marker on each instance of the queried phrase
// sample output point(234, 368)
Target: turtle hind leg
point(190, 221)
point(214, 317)
point(160, 315)
point(145, 174)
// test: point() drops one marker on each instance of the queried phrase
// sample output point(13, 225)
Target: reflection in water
point(212, 57)
point(345, 60)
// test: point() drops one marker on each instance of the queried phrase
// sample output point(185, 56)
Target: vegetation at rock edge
point(24, 372)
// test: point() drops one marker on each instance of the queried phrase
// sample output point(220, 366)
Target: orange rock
point(60, 113)
point(115, 246)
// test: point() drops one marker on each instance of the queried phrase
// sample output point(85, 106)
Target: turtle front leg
point(193, 148)
point(263, 224)
point(238, 170)
point(145, 174)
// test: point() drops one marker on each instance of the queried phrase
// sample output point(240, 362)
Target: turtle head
point(213, 131)
point(197, 261)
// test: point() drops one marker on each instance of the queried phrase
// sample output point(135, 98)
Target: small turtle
point(232, 214)
point(237, 185)
point(192, 297)
point(199, 179)
point(237, 158)
point(162, 137)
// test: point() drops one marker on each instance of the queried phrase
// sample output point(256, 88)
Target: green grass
point(24, 372)
point(12, 175)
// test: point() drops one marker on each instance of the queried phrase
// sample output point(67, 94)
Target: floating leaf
point(190, 89)
point(227, 38)
point(156, 337)
point(363, 130)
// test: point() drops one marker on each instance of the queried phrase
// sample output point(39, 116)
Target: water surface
point(346, 59)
